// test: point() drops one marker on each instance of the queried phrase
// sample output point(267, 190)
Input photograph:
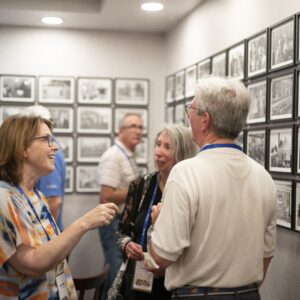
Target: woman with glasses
point(32, 250)
point(173, 144)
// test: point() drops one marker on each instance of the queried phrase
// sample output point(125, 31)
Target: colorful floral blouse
point(19, 225)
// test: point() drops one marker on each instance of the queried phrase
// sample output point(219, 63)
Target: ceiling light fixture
point(52, 20)
point(152, 6)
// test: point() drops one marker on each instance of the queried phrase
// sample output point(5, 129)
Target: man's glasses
point(189, 108)
point(45, 138)
point(133, 126)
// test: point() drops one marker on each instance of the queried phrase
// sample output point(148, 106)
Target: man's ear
point(206, 121)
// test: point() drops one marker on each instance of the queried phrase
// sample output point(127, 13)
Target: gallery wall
point(212, 27)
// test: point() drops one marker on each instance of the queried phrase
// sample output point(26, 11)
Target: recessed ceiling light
point(52, 20)
point(152, 6)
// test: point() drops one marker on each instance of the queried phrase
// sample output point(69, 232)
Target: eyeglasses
point(189, 108)
point(46, 138)
point(134, 126)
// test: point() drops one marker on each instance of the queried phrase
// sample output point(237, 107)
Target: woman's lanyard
point(212, 146)
point(49, 216)
point(145, 226)
point(133, 167)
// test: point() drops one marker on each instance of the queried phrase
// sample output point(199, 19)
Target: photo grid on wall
point(85, 113)
point(268, 63)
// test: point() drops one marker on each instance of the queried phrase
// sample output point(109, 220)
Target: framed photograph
point(179, 85)
point(236, 59)
point(203, 68)
point(219, 64)
point(141, 152)
point(69, 183)
point(180, 114)
point(143, 170)
point(190, 81)
point(62, 119)
point(132, 91)
point(256, 145)
point(56, 89)
point(121, 112)
point(297, 207)
point(66, 145)
point(281, 150)
point(257, 54)
point(6, 111)
point(17, 88)
point(240, 139)
point(298, 37)
point(93, 119)
point(298, 149)
point(170, 88)
point(94, 90)
point(281, 97)
point(87, 179)
point(258, 95)
point(284, 203)
point(170, 114)
point(282, 44)
point(90, 149)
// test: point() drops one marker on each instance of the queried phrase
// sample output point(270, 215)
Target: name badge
point(61, 282)
point(142, 279)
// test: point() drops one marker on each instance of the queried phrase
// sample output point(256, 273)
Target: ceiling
point(124, 15)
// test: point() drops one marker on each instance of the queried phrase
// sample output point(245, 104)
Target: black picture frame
point(256, 145)
point(219, 63)
point(170, 88)
point(257, 54)
point(204, 68)
point(297, 59)
point(179, 85)
point(296, 210)
point(179, 117)
point(281, 95)
point(7, 110)
point(63, 119)
point(280, 154)
point(69, 182)
point(284, 202)
point(282, 44)
point(170, 111)
point(87, 179)
point(236, 61)
point(190, 81)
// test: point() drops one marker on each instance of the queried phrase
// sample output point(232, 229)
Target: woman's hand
point(99, 216)
point(134, 251)
point(155, 212)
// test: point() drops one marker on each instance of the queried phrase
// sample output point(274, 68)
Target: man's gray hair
point(121, 123)
point(181, 141)
point(227, 100)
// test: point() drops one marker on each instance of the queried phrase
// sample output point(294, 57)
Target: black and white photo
point(66, 145)
point(141, 152)
point(258, 98)
point(121, 112)
point(69, 183)
point(90, 149)
point(94, 119)
point(180, 114)
point(281, 97)
point(236, 57)
point(56, 90)
point(203, 68)
point(6, 111)
point(298, 150)
point(256, 141)
point(240, 139)
point(94, 90)
point(297, 207)
point(282, 44)
point(170, 88)
point(87, 179)
point(170, 114)
point(179, 85)
point(284, 203)
point(281, 150)
point(62, 118)
point(190, 81)
point(219, 65)
point(132, 91)
point(17, 88)
point(257, 54)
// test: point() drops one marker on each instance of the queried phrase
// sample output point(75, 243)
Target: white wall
point(212, 27)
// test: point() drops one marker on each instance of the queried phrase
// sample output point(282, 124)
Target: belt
point(206, 291)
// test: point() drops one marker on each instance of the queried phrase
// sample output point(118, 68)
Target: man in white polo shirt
point(117, 168)
point(216, 232)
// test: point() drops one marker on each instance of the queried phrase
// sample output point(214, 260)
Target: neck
point(213, 139)
point(163, 176)
point(128, 145)
point(28, 181)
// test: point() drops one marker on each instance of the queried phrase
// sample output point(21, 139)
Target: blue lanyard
point(143, 236)
point(129, 159)
point(49, 216)
point(212, 146)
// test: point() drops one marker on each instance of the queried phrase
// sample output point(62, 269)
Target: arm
point(162, 262)
point(110, 194)
point(54, 206)
point(50, 254)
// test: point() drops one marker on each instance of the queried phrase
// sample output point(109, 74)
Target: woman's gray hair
point(227, 100)
point(181, 141)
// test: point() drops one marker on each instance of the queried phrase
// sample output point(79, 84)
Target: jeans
point(112, 252)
